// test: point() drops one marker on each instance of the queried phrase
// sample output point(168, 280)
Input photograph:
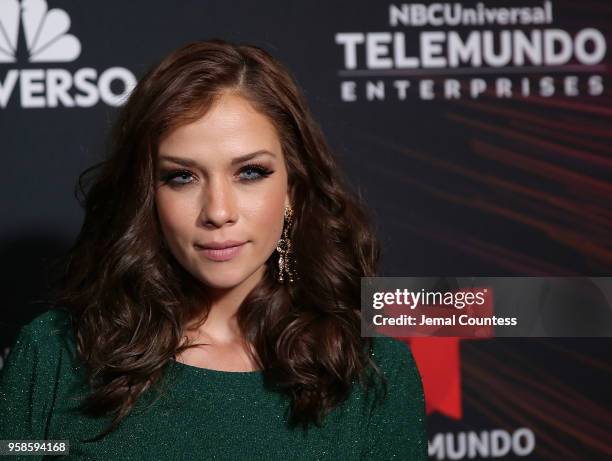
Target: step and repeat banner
point(479, 134)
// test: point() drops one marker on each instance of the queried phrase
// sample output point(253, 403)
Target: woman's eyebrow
point(192, 163)
point(252, 155)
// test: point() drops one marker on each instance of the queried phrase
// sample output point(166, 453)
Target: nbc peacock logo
point(46, 32)
point(31, 32)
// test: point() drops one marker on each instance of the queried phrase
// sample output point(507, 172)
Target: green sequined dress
point(202, 413)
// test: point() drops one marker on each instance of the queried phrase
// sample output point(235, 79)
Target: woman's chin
point(224, 278)
point(220, 282)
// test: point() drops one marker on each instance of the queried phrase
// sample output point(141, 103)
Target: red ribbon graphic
point(437, 359)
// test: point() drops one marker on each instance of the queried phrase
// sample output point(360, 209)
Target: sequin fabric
point(197, 413)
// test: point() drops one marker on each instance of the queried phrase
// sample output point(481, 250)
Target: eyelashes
point(248, 174)
point(260, 171)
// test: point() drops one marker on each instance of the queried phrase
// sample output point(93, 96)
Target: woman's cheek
point(175, 214)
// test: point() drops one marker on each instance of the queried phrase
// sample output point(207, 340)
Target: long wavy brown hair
point(130, 300)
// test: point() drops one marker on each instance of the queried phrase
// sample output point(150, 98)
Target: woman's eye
point(247, 173)
point(254, 172)
point(178, 178)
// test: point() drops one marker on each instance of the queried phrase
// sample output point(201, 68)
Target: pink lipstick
point(220, 251)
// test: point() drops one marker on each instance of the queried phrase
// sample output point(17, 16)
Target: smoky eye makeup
point(176, 177)
point(249, 173)
point(254, 172)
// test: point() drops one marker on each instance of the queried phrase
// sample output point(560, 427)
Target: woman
point(210, 305)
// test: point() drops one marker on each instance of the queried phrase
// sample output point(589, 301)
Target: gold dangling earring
point(285, 251)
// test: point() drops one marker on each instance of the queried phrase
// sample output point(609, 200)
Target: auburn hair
point(130, 300)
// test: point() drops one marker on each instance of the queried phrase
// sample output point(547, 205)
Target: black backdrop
point(466, 174)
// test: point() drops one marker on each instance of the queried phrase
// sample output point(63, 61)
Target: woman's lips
point(220, 254)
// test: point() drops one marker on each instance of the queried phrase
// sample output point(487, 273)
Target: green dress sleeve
point(397, 424)
point(28, 381)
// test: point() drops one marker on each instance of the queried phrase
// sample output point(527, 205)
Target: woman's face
point(222, 182)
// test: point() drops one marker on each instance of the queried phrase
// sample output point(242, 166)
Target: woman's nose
point(219, 203)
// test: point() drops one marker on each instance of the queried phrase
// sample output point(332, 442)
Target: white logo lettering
point(46, 38)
